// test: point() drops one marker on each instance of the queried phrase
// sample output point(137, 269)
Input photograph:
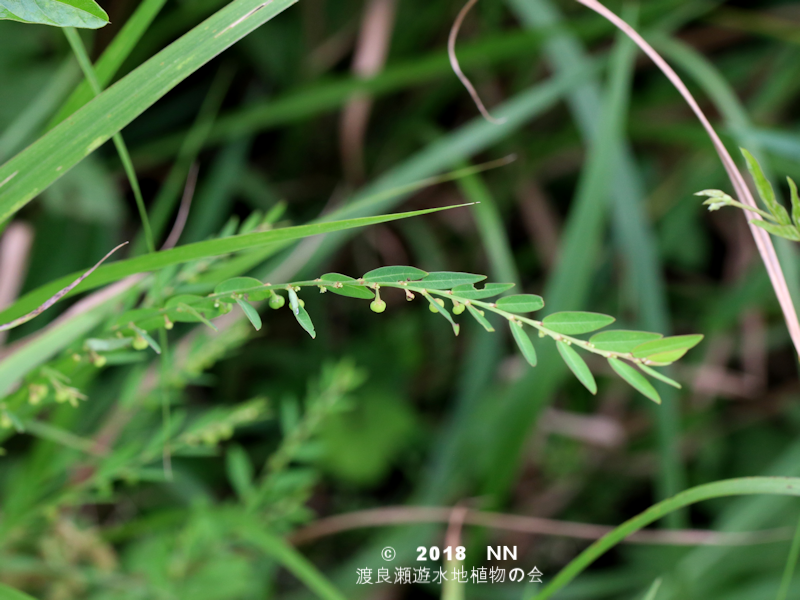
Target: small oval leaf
point(478, 315)
point(523, 342)
point(667, 345)
point(300, 313)
point(469, 292)
point(520, 303)
point(394, 274)
point(445, 280)
point(577, 365)
point(84, 14)
point(621, 341)
point(573, 323)
point(251, 313)
point(635, 379)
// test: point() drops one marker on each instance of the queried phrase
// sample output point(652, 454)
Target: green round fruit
point(378, 306)
point(458, 309)
point(433, 308)
point(276, 301)
point(139, 343)
point(100, 361)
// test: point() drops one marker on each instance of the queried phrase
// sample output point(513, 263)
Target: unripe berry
point(458, 309)
point(168, 325)
point(100, 361)
point(139, 343)
point(276, 301)
point(438, 301)
point(378, 305)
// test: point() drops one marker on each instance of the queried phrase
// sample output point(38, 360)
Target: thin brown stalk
point(15, 246)
point(761, 237)
point(451, 52)
point(183, 211)
point(404, 515)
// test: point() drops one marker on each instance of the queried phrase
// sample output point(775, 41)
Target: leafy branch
point(631, 354)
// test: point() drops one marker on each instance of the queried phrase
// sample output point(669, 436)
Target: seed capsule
point(139, 343)
point(100, 361)
point(378, 305)
point(438, 301)
point(276, 301)
point(458, 309)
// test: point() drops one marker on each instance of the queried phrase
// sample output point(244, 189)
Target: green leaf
point(110, 345)
point(9, 593)
point(59, 13)
point(251, 313)
point(795, 201)
point(300, 314)
point(667, 345)
point(524, 342)
point(658, 375)
point(33, 170)
point(394, 274)
point(666, 358)
point(520, 303)
point(237, 285)
point(577, 365)
point(765, 190)
point(478, 315)
point(635, 379)
point(445, 280)
point(469, 292)
point(351, 291)
point(240, 471)
point(621, 340)
point(788, 232)
point(573, 323)
point(653, 591)
point(216, 247)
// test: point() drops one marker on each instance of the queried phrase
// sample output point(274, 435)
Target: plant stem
point(79, 50)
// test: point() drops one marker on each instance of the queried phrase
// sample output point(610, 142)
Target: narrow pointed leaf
point(635, 379)
point(85, 14)
point(795, 201)
point(251, 313)
point(523, 342)
point(300, 313)
point(394, 274)
point(520, 303)
point(469, 292)
point(666, 358)
point(577, 365)
point(188, 309)
point(622, 340)
point(667, 344)
point(658, 375)
point(445, 280)
point(573, 323)
point(351, 291)
point(653, 591)
point(765, 190)
point(478, 315)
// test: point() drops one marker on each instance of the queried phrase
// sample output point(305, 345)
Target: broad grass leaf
point(665, 345)
point(238, 285)
point(520, 303)
point(351, 291)
point(85, 14)
point(573, 323)
point(765, 190)
point(635, 379)
point(478, 315)
point(577, 365)
point(469, 292)
point(445, 280)
point(300, 314)
point(251, 313)
point(622, 340)
point(523, 342)
point(394, 274)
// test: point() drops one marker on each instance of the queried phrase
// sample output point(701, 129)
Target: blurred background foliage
point(333, 100)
